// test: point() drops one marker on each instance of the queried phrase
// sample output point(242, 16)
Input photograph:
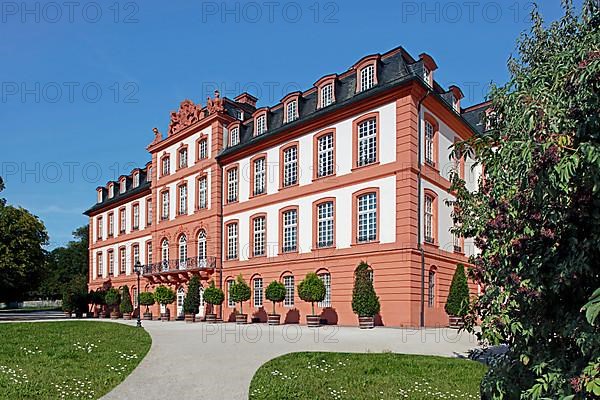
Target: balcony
point(171, 271)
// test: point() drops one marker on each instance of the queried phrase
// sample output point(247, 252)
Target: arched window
point(164, 246)
point(202, 249)
point(183, 252)
point(431, 288)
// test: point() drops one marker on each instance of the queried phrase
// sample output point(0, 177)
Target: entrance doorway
point(180, 297)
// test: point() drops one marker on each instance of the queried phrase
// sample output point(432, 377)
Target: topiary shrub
point(164, 295)
point(213, 295)
point(311, 289)
point(457, 303)
point(240, 291)
point(112, 298)
point(125, 306)
point(147, 299)
point(191, 302)
point(365, 302)
point(275, 293)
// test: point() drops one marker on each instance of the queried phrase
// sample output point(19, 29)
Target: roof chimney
point(246, 98)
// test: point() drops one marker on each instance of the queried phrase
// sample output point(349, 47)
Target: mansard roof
point(118, 197)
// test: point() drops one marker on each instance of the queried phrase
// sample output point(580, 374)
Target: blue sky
point(82, 85)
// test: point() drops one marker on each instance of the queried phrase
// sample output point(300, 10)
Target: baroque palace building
point(355, 168)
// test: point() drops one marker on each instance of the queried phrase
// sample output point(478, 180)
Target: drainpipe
point(221, 239)
point(419, 190)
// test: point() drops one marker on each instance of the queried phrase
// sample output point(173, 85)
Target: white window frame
point(325, 224)
point(232, 185)
point(111, 224)
point(164, 254)
point(122, 260)
point(429, 143)
point(290, 166)
point(183, 199)
point(292, 111)
point(326, 95)
point(165, 199)
point(122, 186)
point(259, 226)
point(260, 169)
point(428, 217)
point(431, 289)
point(326, 278)
point(203, 149)
point(123, 220)
point(261, 124)
point(202, 248)
point(258, 292)
point(136, 216)
point(183, 252)
point(203, 192)
point(232, 244)
point(367, 142)
point(100, 262)
point(149, 253)
point(367, 77)
point(166, 165)
point(136, 180)
point(111, 263)
point(366, 228)
point(235, 136)
point(136, 254)
point(183, 158)
point(290, 231)
point(288, 282)
point(230, 302)
point(325, 149)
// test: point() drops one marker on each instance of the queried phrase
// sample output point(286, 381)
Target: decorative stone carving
point(157, 136)
point(188, 114)
point(215, 105)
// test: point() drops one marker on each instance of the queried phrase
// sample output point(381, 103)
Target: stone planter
point(189, 318)
point(211, 318)
point(273, 319)
point(127, 317)
point(147, 316)
point(366, 322)
point(67, 314)
point(313, 321)
point(455, 322)
point(165, 316)
point(114, 315)
point(241, 319)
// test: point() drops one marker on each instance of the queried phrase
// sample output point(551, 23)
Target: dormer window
point(427, 75)
point(325, 90)
point(100, 196)
point(149, 175)
point(292, 111)
point(454, 103)
point(111, 191)
point(239, 115)
point(234, 138)
point(326, 95)
point(367, 77)
point(122, 186)
point(136, 179)
point(261, 124)
point(429, 66)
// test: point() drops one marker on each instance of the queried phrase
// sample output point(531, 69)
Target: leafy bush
point(240, 291)
point(191, 302)
point(365, 302)
point(534, 215)
point(164, 295)
point(112, 297)
point(457, 304)
point(126, 307)
point(68, 302)
point(311, 289)
point(213, 295)
point(275, 292)
point(147, 299)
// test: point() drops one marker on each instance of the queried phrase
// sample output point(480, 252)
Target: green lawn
point(67, 360)
point(366, 376)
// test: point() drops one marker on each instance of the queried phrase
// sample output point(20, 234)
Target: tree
point(311, 289)
point(191, 303)
point(365, 302)
point(275, 293)
point(112, 299)
point(457, 303)
point(125, 307)
point(164, 295)
point(22, 257)
point(534, 215)
point(147, 299)
point(213, 295)
point(240, 291)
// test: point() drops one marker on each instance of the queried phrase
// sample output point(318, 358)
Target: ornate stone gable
point(188, 114)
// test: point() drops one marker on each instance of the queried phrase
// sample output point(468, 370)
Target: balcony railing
point(191, 263)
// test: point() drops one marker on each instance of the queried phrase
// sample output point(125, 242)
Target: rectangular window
point(122, 220)
point(290, 166)
point(183, 158)
point(288, 282)
point(149, 175)
point(111, 225)
point(100, 263)
point(367, 77)
point(202, 193)
point(259, 236)
point(431, 289)
point(235, 136)
point(429, 147)
point(122, 186)
point(136, 254)
point(100, 232)
point(111, 191)
point(325, 224)
point(367, 218)
point(367, 142)
point(122, 261)
point(203, 149)
point(230, 302)
point(326, 95)
point(290, 231)
point(136, 180)
point(149, 253)
point(182, 199)
point(166, 166)
point(232, 185)
point(232, 241)
point(325, 155)
point(165, 205)
point(259, 176)
point(258, 292)
point(261, 124)
point(149, 212)
point(428, 219)
point(99, 196)
point(111, 263)
point(292, 111)
point(136, 216)
point(326, 278)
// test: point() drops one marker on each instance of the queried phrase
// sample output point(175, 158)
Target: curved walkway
point(203, 361)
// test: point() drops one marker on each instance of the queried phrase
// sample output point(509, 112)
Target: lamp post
point(138, 270)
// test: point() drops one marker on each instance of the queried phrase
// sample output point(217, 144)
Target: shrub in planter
point(365, 302)
point(457, 303)
point(126, 307)
point(164, 296)
point(312, 289)
point(240, 292)
point(213, 296)
point(191, 302)
point(147, 299)
point(113, 299)
point(275, 293)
